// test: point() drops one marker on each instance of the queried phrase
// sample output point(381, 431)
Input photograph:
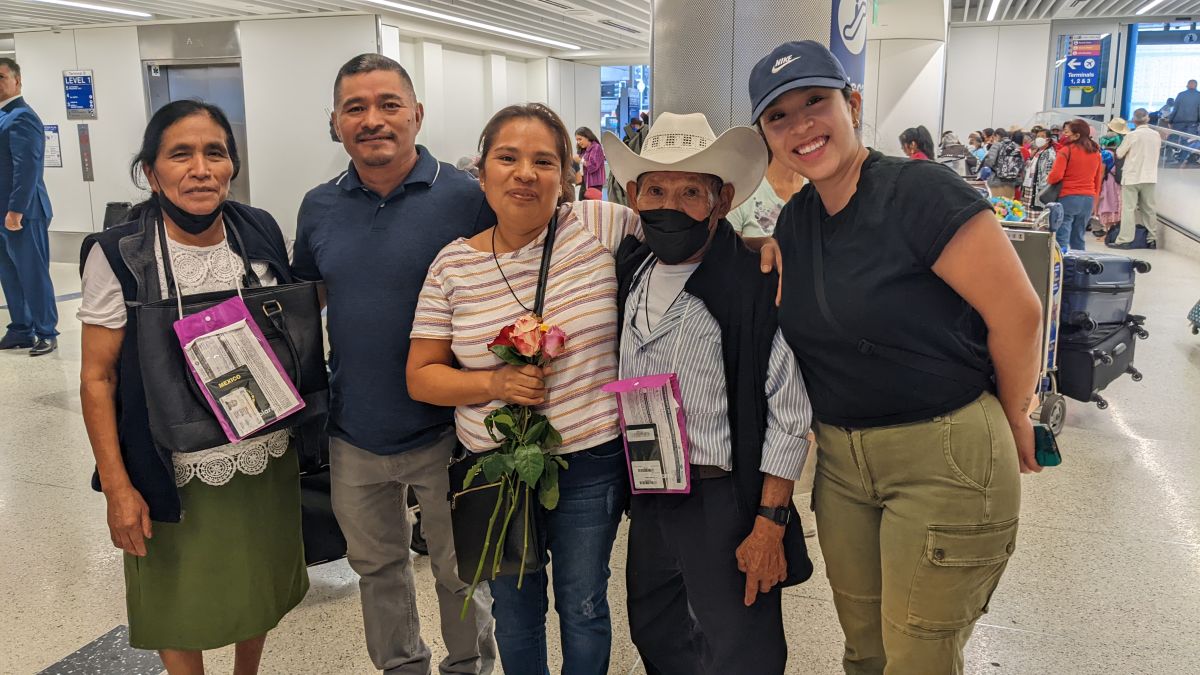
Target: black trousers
point(686, 609)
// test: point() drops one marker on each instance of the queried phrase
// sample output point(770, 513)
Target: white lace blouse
point(198, 269)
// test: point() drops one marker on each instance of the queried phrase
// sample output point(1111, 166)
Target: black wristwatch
point(780, 515)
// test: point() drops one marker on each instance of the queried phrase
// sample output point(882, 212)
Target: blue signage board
point(848, 37)
point(80, 92)
point(1082, 72)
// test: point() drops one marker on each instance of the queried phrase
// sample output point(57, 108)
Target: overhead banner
point(80, 91)
point(848, 37)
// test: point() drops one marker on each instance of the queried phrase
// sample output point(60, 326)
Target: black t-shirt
point(878, 257)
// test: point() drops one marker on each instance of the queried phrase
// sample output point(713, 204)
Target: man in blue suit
point(24, 239)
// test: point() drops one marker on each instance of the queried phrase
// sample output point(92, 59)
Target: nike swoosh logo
point(784, 64)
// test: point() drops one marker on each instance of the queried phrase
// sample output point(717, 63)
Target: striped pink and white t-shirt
point(465, 300)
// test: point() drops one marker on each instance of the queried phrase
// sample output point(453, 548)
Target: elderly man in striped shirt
point(706, 568)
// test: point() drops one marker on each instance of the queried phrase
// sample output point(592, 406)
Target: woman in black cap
point(917, 332)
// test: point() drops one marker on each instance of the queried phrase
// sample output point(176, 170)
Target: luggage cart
point(981, 187)
point(1043, 263)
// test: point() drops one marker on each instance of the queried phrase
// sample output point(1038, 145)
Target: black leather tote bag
point(289, 316)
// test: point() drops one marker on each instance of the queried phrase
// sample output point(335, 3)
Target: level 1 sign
point(1082, 72)
point(80, 91)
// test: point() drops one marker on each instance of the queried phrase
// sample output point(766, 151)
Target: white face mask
point(1040, 142)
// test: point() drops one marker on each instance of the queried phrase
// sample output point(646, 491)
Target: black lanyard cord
point(539, 303)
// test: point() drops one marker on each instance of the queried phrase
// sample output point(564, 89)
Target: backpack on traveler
point(1010, 165)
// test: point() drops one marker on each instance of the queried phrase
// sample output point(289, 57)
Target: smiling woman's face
point(812, 131)
point(193, 167)
point(521, 175)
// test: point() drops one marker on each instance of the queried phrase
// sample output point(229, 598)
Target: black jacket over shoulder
point(130, 250)
point(742, 300)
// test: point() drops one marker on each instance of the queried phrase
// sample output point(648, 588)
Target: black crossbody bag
point(472, 508)
point(289, 316)
point(932, 365)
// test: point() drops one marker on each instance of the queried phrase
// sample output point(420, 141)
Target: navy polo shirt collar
point(425, 172)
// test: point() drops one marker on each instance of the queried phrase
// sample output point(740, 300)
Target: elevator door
point(219, 84)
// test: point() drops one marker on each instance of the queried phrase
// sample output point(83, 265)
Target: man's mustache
point(374, 134)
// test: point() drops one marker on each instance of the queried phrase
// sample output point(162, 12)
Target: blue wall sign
point(1082, 72)
point(80, 92)
point(848, 37)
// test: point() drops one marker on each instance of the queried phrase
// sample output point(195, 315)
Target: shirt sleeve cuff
point(783, 454)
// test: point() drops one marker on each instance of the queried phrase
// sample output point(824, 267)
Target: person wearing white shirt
point(1140, 150)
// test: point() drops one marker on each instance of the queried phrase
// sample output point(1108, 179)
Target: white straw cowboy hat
point(687, 143)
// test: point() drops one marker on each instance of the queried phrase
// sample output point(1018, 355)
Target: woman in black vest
point(212, 539)
point(917, 332)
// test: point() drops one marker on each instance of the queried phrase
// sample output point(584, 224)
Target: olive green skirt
point(228, 571)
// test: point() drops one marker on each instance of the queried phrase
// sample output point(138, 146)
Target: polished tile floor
point(1106, 578)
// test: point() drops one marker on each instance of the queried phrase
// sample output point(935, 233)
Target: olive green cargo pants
point(916, 524)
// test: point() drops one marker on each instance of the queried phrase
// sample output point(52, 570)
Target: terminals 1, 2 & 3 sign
point(1082, 67)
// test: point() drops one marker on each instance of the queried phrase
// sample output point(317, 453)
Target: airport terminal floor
point(1105, 579)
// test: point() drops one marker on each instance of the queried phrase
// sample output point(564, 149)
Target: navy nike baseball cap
point(793, 65)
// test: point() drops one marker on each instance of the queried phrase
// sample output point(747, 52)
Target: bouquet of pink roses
point(523, 462)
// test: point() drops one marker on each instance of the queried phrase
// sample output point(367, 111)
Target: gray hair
point(1141, 116)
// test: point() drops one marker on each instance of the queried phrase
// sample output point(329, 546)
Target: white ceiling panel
point(969, 11)
point(594, 25)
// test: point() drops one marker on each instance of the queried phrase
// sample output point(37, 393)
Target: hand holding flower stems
point(523, 462)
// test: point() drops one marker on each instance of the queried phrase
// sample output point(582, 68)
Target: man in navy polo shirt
point(370, 235)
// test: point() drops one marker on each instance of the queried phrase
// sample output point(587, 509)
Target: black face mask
point(188, 222)
point(673, 236)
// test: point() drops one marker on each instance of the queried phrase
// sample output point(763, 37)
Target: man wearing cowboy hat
point(705, 568)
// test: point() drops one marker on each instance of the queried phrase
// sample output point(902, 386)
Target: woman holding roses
point(480, 286)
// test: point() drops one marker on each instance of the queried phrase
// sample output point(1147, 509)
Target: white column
point(905, 72)
point(495, 82)
point(428, 80)
point(702, 51)
point(537, 80)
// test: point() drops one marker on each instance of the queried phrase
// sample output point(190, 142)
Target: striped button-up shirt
point(701, 370)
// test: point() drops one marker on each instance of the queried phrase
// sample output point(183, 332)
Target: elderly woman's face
point(193, 167)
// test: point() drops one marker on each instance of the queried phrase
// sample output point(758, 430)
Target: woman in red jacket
point(1080, 171)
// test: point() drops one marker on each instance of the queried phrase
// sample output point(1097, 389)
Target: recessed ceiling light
point(450, 18)
point(1149, 6)
point(993, 9)
point(97, 8)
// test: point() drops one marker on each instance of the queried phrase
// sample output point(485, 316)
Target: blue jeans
point(25, 277)
point(579, 533)
point(1077, 211)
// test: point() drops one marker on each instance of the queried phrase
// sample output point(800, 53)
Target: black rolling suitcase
point(1088, 361)
point(1098, 289)
point(117, 213)
point(323, 539)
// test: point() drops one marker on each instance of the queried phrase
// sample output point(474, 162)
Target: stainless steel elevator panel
point(702, 51)
point(216, 83)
